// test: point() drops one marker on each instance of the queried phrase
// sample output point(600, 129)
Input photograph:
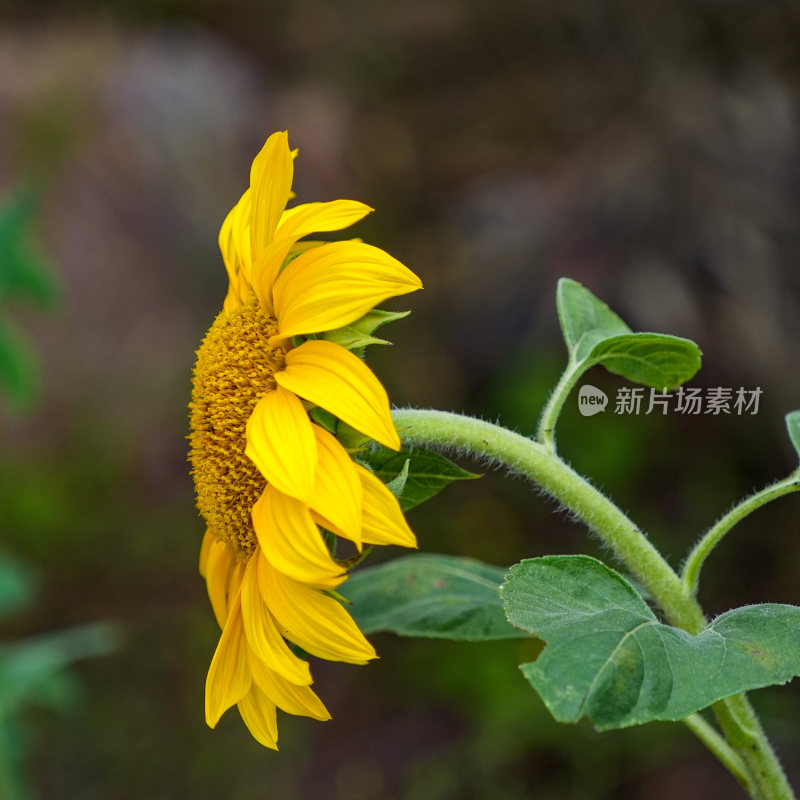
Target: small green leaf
point(609, 659)
point(428, 473)
point(431, 596)
point(585, 320)
point(653, 359)
point(793, 426)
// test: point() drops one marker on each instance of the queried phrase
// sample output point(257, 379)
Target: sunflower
point(268, 478)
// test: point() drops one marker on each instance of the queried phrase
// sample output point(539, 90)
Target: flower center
point(234, 369)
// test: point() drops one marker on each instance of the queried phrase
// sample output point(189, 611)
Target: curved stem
point(542, 466)
point(702, 550)
point(547, 470)
point(546, 431)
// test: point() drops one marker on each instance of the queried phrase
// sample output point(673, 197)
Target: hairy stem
point(541, 465)
point(547, 470)
point(546, 431)
point(702, 550)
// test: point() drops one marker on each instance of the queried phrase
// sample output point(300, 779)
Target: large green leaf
point(609, 659)
point(432, 596)
point(653, 359)
point(428, 473)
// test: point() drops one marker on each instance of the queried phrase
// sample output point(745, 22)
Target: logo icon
point(591, 400)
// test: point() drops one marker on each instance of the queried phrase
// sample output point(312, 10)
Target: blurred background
point(648, 150)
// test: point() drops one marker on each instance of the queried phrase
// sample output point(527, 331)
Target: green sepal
point(324, 419)
point(608, 657)
point(398, 485)
point(350, 438)
point(354, 561)
point(358, 334)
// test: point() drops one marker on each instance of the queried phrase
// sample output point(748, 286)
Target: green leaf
point(428, 473)
point(793, 426)
point(609, 659)
point(585, 320)
point(653, 359)
point(432, 596)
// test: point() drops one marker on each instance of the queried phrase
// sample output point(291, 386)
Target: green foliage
point(24, 275)
point(431, 596)
point(608, 657)
point(585, 320)
point(596, 335)
point(33, 671)
point(652, 359)
point(426, 473)
point(793, 427)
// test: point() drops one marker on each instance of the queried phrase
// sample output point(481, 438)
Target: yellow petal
point(234, 244)
point(293, 699)
point(270, 183)
point(219, 566)
point(281, 443)
point(337, 492)
point(229, 675)
point(312, 619)
point(258, 713)
point(205, 547)
point(235, 580)
point(298, 222)
point(291, 541)
point(262, 632)
point(336, 284)
point(329, 376)
point(383, 520)
point(318, 217)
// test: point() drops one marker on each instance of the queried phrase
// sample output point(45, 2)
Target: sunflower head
point(235, 367)
point(267, 477)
